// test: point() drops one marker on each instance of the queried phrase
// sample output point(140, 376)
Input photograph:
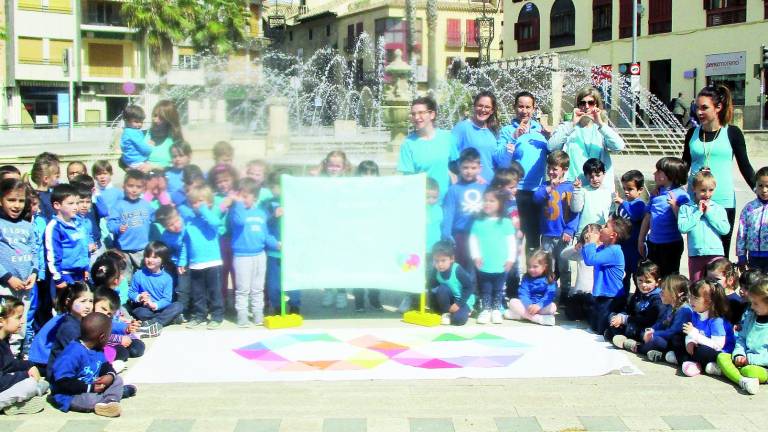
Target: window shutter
point(470, 37)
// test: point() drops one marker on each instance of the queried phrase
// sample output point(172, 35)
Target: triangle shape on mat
point(438, 364)
point(483, 362)
point(364, 364)
point(270, 365)
point(345, 365)
point(251, 354)
point(447, 337)
point(364, 341)
point(485, 335)
point(270, 356)
point(463, 361)
point(296, 367)
point(319, 364)
point(390, 353)
point(258, 346)
point(504, 360)
point(315, 337)
point(368, 355)
point(409, 361)
point(388, 346)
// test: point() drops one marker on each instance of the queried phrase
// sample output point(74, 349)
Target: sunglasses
point(587, 102)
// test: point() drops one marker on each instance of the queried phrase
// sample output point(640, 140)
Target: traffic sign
point(634, 69)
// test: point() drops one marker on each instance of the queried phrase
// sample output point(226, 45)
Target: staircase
point(664, 142)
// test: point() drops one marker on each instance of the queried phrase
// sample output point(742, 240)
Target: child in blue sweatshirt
point(644, 309)
point(202, 227)
point(275, 212)
point(74, 303)
point(602, 251)
point(537, 292)
point(133, 145)
point(131, 218)
point(250, 240)
point(559, 222)
point(66, 242)
point(631, 208)
point(181, 153)
point(452, 290)
point(151, 292)
point(174, 236)
point(657, 339)
point(88, 216)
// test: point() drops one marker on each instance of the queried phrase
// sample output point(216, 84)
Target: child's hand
point(740, 361)
point(521, 130)
point(125, 341)
point(454, 308)
point(133, 326)
point(641, 249)
point(703, 206)
point(61, 285)
point(592, 237)
point(181, 270)
point(511, 146)
point(30, 282)
point(92, 247)
point(102, 383)
point(616, 321)
point(143, 297)
point(279, 212)
point(481, 180)
point(648, 335)
point(688, 328)
point(508, 266)
point(453, 177)
point(567, 238)
point(533, 309)
point(577, 183)
point(478, 262)
point(16, 284)
point(87, 275)
point(617, 199)
point(690, 347)
point(672, 201)
point(152, 305)
point(34, 373)
point(123, 228)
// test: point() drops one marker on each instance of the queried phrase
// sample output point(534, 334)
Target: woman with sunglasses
point(588, 136)
point(481, 132)
point(713, 145)
point(427, 149)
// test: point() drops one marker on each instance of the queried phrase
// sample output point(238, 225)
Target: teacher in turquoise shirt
point(481, 131)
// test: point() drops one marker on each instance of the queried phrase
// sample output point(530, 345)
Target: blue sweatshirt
point(106, 199)
point(644, 310)
point(249, 231)
point(12, 370)
point(752, 340)
point(159, 286)
point(39, 222)
point(177, 244)
point(703, 229)
point(67, 331)
point(18, 249)
point(608, 262)
point(66, 248)
point(663, 220)
point(538, 291)
point(634, 211)
point(461, 204)
point(270, 206)
point(202, 236)
point(174, 178)
point(91, 226)
point(671, 323)
point(135, 150)
point(558, 218)
point(79, 363)
point(530, 152)
point(40, 349)
point(137, 215)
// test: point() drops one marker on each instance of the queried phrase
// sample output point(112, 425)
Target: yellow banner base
point(422, 318)
point(283, 321)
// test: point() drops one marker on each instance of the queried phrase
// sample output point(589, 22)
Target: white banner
point(726, 64)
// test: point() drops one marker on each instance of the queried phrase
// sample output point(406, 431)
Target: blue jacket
point(202, 235)
point(634, 211)
point(558, 218)
point(40, 349)
point(158, 285)
point(461, 204)
point(703, 229)
point(91, 225)
point(663, 220)
point(644, 310)
point(270, 206)
point(18, 249)
point(67, 331)
point(66, 248)
point(530, 152)
point(76, 362)
point(608, 262)
point(670, 322)
point(39, 222)
point(106, 199)
point(177, 244)
point(134, 148)
point(174, 178)
point(536, 291)
point(249, 231)
point(138, 216)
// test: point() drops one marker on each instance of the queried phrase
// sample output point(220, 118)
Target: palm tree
point(218, 26)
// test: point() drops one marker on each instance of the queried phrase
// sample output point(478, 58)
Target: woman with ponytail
point(713, 145)
point(481, 132)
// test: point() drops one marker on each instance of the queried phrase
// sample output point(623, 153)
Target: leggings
point(666, 256)
point(726, 239)
point(702, 354)
point(733, 373)
point(530, 217)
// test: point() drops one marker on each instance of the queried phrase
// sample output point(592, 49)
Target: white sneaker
point(655, 355)
point(484, 317)
point(712, 369)
point(328, 297)
point(445, 319)
point(618, 341)
point(119, 366)
point(405, 304)
point(341, 300)
point(511, 315)
point(496, 317)
point(547, 320)
point(671, 358)
point(749, 385)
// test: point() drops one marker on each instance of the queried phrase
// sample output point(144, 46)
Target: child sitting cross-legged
point(657, 338)
point(151, 292)
point(625, 330)
point(451, 291)
point(537, 292)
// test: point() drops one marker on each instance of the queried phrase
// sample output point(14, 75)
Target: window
point(56, 48)
point(105, 60)
point(470, 36)
point(310, 34)
point(391, 32)
point(562, 24)
point(349, 42)
point(31, 50)
point(60, 6)
point(327, 30)
point(722, 12)
point(103, 13)
point(453, 38)
point(527, 28)
point(660, 16)
point(290, 35)
point(625, 19)
point(602, 20)
point(765, 9)
point(188, 59)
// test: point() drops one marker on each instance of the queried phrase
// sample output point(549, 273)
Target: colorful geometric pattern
point(321, 351)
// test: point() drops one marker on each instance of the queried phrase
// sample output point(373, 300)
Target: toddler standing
point(752, 240)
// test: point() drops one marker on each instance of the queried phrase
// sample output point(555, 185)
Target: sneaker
point(618, 341)
point(194, 323)
point(546, 320)
point(405, 304)
point(749, 385)
point(671, 358)
point(29, 406)
point(42, 387)
point(712, 369)
point(109, 409)
point(511, 315)
point(484, 317)
point(691, 369)
point(445, 319)
point(243, 322)
point(179, 319)
point(119, 366)
point(496, 317)
point(257, 322)
point(129, 391)
point(630, 345)
point(341, 301)
point(149, 330)
point(213, 325)
point(655, 356)
point(328, 296)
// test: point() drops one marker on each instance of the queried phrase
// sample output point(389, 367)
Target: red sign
point(634, 69)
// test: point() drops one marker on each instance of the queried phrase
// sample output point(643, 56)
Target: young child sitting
point(151, 291)
point(580, 301)
point(83, 379)
point(657, 338)
point(537, 292)
point(645, 307)
point(451, 290)
point(723, 271)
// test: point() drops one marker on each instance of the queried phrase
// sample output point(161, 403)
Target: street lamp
point(484, 35)
point(276, 22)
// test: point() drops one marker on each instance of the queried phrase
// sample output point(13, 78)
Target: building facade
point(681, 45)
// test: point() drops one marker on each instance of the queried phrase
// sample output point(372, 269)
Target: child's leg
point(516, 309)
point(213, 293)
point(257, 288)
point(485, 281)
point(730, 371)
point(85, 402)
point(143, 313)
point(760, 263)
point(136, 348)
point(245, 268)
point(497, 293)
point(666, 256)
point(227, 268)
point(359, 295)
point(461, 316)
point(20, 392)
point(696, 266)
point(656, 343)
point(440, 299)
point(462, 250)
point(704, 354)
point(374, 298)
point(169, 313)
point(585, 277)
point(199, 295)
point(183, 293)
point(273, 283)
point(599, 316)
point(755, 371)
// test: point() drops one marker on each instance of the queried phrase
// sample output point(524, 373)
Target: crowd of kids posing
point(88, 269)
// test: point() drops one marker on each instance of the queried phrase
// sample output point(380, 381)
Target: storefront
point(729, 69)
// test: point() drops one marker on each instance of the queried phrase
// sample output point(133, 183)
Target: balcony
point(726, 15)
point(103, 16)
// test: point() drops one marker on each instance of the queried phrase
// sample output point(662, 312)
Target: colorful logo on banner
point(323, 351)
point(410, 262)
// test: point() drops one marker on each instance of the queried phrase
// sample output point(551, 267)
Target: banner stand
point(421, 317)
point(283, 321)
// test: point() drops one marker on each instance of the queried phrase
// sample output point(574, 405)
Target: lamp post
point(484, 35)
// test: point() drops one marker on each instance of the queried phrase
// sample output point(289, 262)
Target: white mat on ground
point(377, 353)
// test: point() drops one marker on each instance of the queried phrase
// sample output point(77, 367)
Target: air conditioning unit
point(87, 89)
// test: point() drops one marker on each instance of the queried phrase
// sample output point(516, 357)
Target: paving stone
point(345, 425)
point(84, 426)
point(560, 423)
point(431, 425)
point(694, 422)
point(602, 423)
point(474, 424)
point(171, 425)
point(388, 424)
point(257, 425)
point(10, 425)
point(645, 423)
point(518, 424)
point(301, 424)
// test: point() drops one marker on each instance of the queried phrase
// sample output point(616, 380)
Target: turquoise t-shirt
point(418, 155)
point(434, 221)
point(718, 156)
point(470, 135)
point(492, 239)
point(161, 153)
point(455, 285)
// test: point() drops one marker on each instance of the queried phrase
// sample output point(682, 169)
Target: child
point(223, 153)
point(657, 339)
point(631, 208)
point(135, 151)
point(107, 302)
point(223, 179)
point(43, 301)
point(723, 271)
point(88, 218)
point(66, 242)
point(537, 292)
point(559, 222)
point(9, 171)
point(156, 190)
point(747, 365)
point(507, 179)
point(705, 222)
point(493, 248)
point(625, 330)
point(192, 176)
point(335, 164)
point(752, 240)
point(368, 168)
point(250, 239)
point(608, 293)
point(75, 169)
point(275, 213)
point(202, 242)
point(580, 300)
point(83, 379)
point(665, 243)
point(105, 195)
point(45, 174)
point(151, 292)
point(181, 153)
point(256, 169)
point(462, 203)
point(21, 387)
point(174, 236)
point(75, 302)
point(129, 221)
point(451, 292)
point(747, 279)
